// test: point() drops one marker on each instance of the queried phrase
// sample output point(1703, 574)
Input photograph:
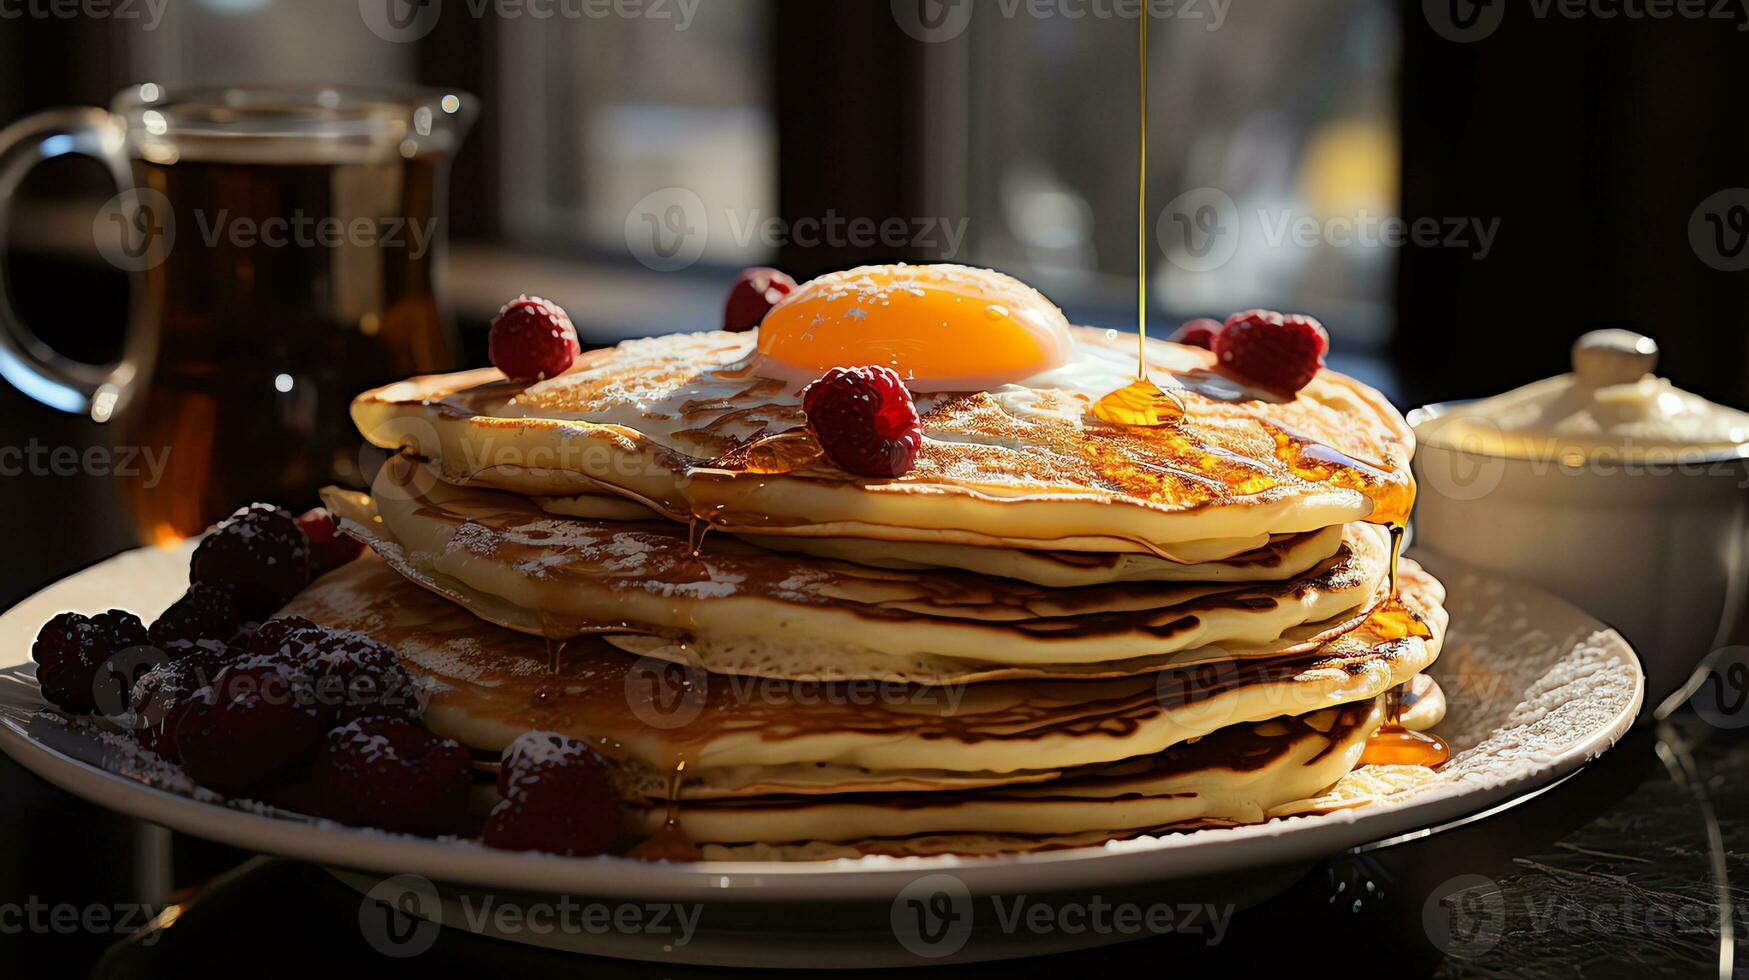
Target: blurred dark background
point(1552, 165)
point(1563, 170)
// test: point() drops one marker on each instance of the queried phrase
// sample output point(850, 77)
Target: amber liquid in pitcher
point(261, 346)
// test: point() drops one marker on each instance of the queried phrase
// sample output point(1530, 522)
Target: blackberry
point(256, 724)
point(167, 692)
point(259, 553)
point(271, 637)
point(393, 774)
point(70, 649)
point(205, 612)
point(558, 797)
point(351, 675)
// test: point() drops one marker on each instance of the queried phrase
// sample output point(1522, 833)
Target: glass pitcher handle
point(31, 365)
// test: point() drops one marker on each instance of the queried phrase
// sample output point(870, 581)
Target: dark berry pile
point(246, 568)
point(260, 721)
point(285, 709)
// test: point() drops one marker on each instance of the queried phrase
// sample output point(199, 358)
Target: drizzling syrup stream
point(1141, 402)
point(670, 842)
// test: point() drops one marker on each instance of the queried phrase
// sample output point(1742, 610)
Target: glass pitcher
point(286, 249)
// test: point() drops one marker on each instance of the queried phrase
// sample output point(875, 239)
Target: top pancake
point(668, 421)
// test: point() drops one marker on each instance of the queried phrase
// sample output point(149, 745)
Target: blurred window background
point(1024, 150)
point(1260, 115)
point(630, 154)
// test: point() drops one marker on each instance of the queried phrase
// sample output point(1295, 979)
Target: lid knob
point(1614, 357)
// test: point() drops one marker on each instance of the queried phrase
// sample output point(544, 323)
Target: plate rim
point(1195, 854)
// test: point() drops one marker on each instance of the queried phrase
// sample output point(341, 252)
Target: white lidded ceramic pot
point(1652, 539)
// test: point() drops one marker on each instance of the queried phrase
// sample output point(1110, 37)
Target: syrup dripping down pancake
point(490, 685)
point(785, 616)
point(1022, 465)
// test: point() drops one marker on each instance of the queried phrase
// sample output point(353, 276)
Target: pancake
point(668, 421)
point(742, 609)
point(489, 685)
point(598, 505)
point(1196, 561)
point(1280, 559)
point(1237, 774)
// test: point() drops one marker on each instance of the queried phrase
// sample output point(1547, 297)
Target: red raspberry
point(755, 292)
point(329, 549)
point(557, 798)
point(1282, 353)
point(71, 649)
point(205, 612)
point(392, 774)
point(865, 420)
point(1197, 333)
point(255, 726)
point(259, 554)
point(532, 340)
point(166, 692)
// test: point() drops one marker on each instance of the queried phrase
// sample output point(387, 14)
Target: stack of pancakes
point(1053, 631)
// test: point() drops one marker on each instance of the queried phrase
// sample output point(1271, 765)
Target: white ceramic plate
point(1535, 687)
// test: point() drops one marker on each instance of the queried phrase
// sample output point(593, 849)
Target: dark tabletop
point(1631, 867)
